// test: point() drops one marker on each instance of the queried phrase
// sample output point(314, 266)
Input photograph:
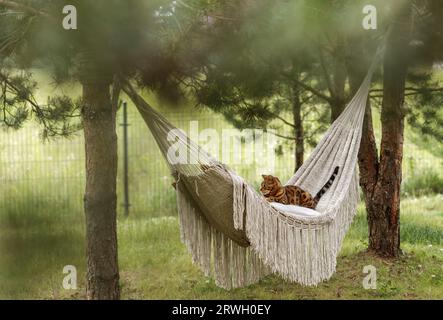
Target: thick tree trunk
point(100, 194)
point(380, 179)
point(384, 212)
point(368, 160)
point(298, 130)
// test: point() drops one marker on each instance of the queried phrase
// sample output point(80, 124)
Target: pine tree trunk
point(380, 177)
point(384, 211)
point(368, 159)
point(100, 194)
point(298, 130)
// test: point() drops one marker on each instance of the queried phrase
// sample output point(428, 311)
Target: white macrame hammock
point(235, 235)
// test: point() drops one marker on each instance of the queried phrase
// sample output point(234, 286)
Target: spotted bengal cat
point(274, 191)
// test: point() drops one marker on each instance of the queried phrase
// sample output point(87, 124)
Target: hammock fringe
point(302, 252)
point(231, 265)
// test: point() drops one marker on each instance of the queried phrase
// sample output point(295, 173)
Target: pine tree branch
point(280, 135)
point(315, 132)
point(415, 93)
point(412, 92)
point(35, 107)
point(282, 119)
point(310, 89)
point(416, 90)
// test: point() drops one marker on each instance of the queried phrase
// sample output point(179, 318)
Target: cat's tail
point(326, 186)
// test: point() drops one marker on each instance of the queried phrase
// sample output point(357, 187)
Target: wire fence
point(35, 173)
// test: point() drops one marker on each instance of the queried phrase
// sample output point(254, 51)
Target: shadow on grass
point(35, 245)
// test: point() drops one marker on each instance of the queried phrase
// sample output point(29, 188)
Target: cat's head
point(269, 185)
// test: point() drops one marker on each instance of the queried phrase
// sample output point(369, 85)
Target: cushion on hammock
point(295, 210)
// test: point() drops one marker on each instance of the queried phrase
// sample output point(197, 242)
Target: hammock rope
point(234, 234)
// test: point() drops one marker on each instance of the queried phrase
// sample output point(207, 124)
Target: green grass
point(35, 246)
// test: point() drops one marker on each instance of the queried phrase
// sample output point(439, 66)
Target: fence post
point(125, 125)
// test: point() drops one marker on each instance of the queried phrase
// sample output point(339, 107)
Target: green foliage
point(18, 103)
point(427, 181)
point(251, 64)
point(113, 38)
point(115, 35)
point(255, 53)
point(427, 115)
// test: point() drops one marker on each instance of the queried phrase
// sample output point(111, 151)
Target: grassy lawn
point(155, 265)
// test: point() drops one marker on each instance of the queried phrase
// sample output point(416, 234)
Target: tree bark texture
point(100, 195)
point(298, 130)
